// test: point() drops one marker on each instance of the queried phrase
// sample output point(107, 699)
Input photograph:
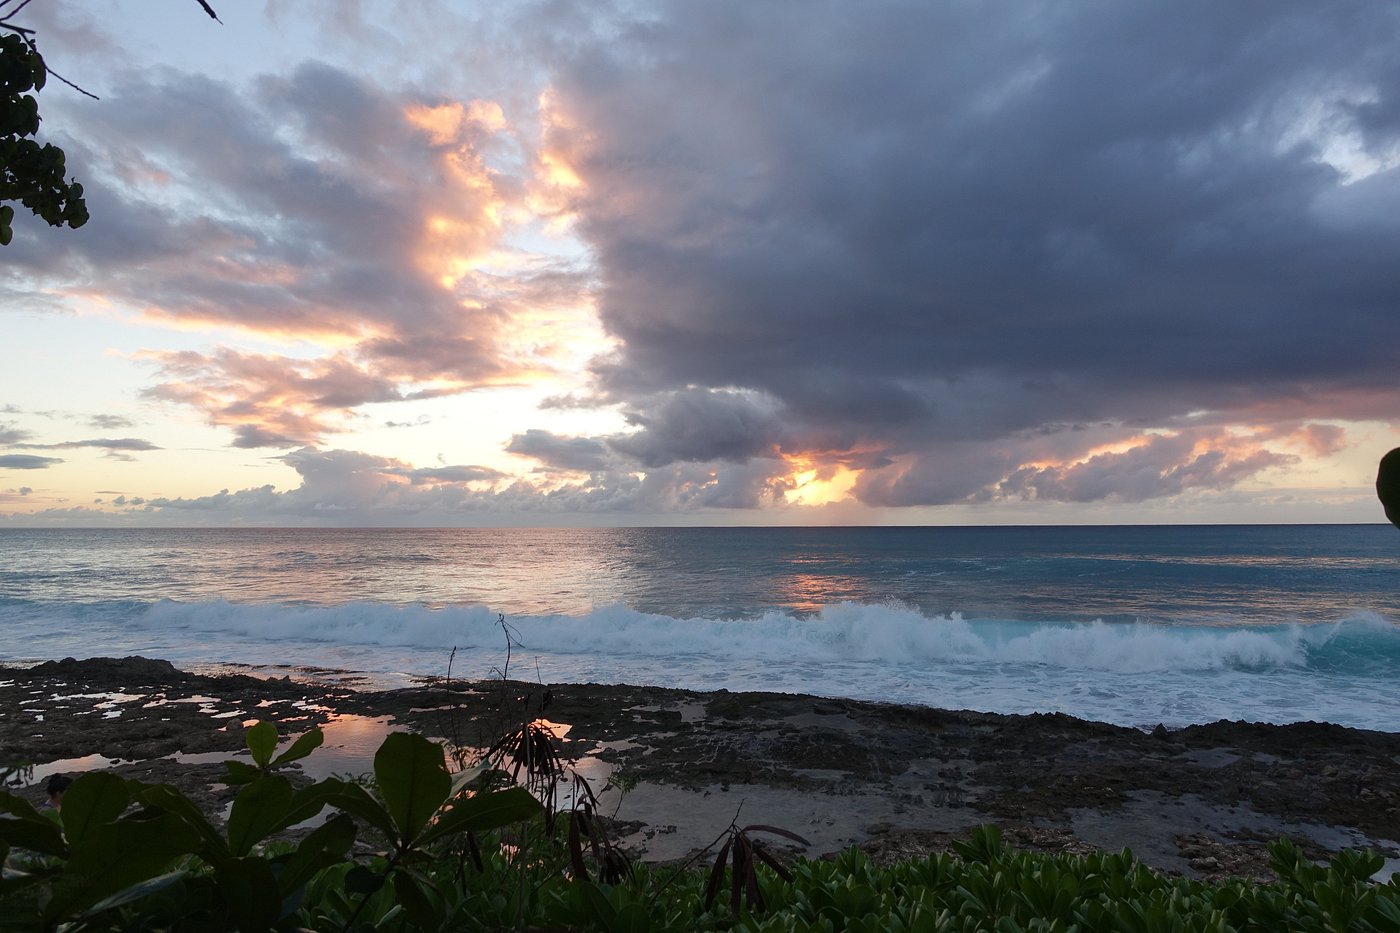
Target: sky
point(430, 263)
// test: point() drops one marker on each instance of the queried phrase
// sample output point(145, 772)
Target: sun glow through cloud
point(813, 484)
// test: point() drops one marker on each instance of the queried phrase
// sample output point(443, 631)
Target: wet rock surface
point(907, 780)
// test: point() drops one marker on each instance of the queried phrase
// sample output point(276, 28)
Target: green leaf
point(115, 856)
point(308, 802)
point(421, 910)
point(356, 801)
point(136, 891)
point(30, 830)
point(305, 744)
point(462, 778)
point(597, 905)
point(984, 844)
point(167, 798)
point(94, 799)
point(250, 894)
point(325, 846)
point(361, 880)
point(631, 918)
point(239, 772)
point(262, 742)
point(483, 812)
point(412, 777)
point(257, 810)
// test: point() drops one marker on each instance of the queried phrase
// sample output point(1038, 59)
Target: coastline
point(896, 780)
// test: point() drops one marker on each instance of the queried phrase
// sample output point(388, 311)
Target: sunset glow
point(630, 268)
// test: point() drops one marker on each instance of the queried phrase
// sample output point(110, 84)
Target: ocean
point(1129, 625)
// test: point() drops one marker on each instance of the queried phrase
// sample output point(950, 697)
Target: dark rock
point(129, 671)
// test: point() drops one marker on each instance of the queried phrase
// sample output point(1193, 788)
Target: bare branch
point(28, 38)
point(80, 90)
point(22, 5)
point(207, 8)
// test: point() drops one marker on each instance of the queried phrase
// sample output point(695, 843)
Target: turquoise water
point(1135, 625)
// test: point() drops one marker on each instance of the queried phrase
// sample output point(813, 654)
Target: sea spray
point(878, 634)
point(1129, 673)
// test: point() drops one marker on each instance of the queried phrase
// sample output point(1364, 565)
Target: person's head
point(57, 784)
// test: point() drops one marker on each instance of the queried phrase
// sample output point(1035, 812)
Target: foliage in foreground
point(452, 852)
point(30, 173)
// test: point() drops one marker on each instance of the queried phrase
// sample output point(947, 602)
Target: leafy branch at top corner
point(31, 174)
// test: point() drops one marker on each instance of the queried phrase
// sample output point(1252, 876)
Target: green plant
point(119, 843)
point(150, 869)
point(30, 173)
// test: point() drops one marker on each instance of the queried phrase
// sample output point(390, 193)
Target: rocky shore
point(896, 780)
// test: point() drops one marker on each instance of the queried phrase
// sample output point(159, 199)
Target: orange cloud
point(1146, 467)
point(270, 401)
point(388, 237)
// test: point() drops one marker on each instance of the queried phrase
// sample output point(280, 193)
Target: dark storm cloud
point(699, 425)
point(568, 454)
point(928, 231)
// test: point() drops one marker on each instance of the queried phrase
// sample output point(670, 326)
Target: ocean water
point(1129, 625)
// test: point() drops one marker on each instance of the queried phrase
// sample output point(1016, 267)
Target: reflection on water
point(807, 593)
point(1262, 573)
point(349, 748)
point(71, 766)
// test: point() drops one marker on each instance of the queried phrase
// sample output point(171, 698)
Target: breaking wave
point(1134, 674)
point(841, 632)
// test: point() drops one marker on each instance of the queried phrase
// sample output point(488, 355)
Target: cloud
point(415, 423)
point(270, 400)
point(345, 487)
point(26, 462)
point(109, 422)
point(943, 253)
point(1161, 466)
point(11, 436)
point(700, 425)
point(106, 443)
point(317, 206)
point(566, 454)
point(447, 474)
point(253, 436)
point(115, 446)
point(925, 232)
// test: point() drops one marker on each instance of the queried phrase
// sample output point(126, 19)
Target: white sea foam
point(1133, 674)
point(889, 634)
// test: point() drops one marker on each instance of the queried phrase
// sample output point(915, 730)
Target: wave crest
point(883, 634)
